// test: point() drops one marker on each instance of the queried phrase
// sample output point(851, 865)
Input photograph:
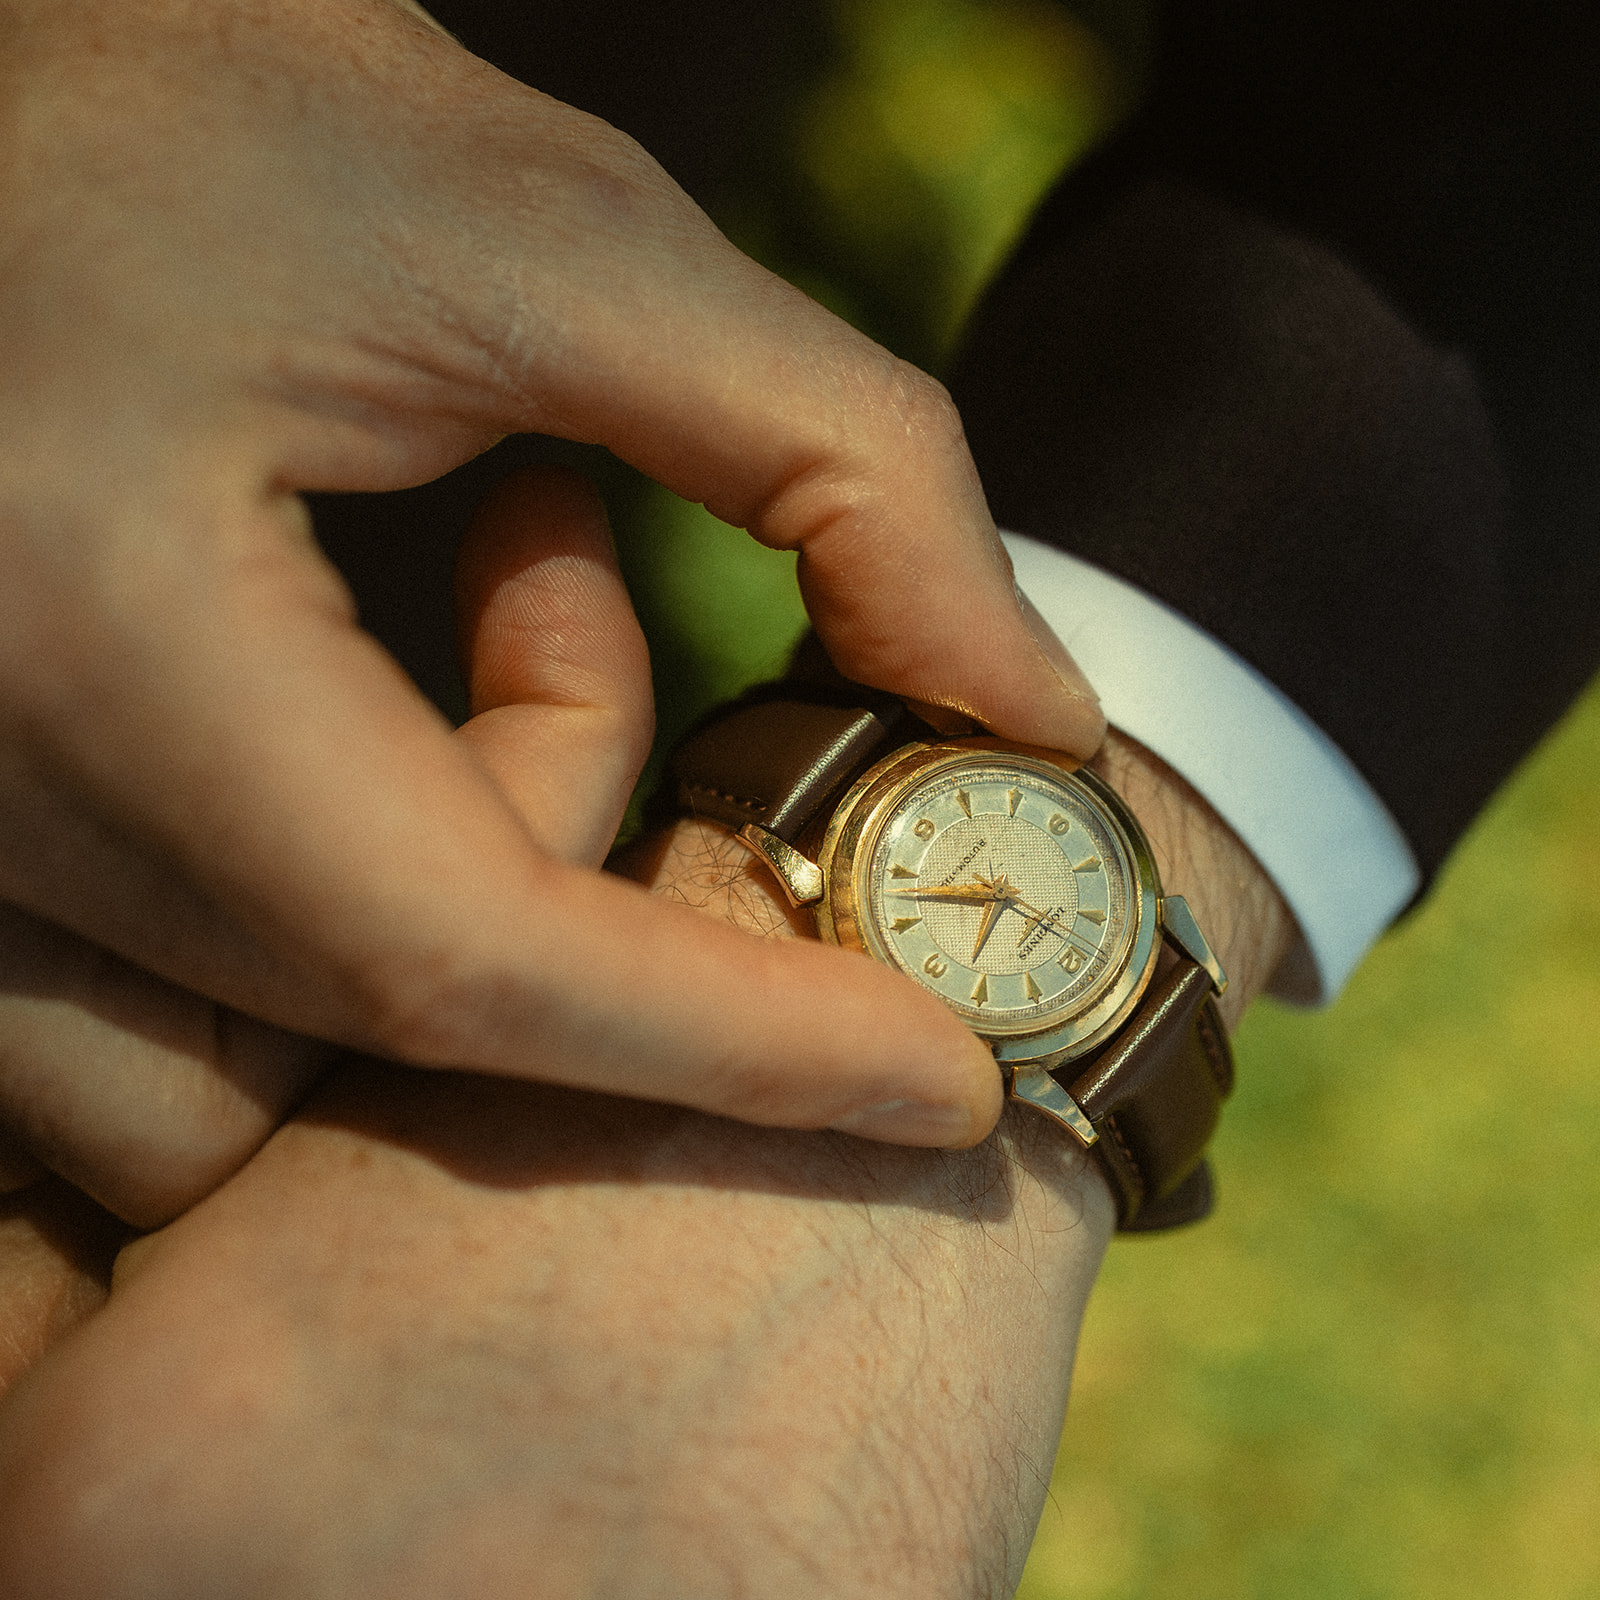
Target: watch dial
point(1004, 890)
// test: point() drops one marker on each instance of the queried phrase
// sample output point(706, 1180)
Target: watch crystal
point(1003, 889)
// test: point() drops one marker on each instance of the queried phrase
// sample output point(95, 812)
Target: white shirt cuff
point(1312, 821)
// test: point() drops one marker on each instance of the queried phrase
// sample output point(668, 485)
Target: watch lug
point(801, 877)
point(1177, 921)
point(1043, 1093)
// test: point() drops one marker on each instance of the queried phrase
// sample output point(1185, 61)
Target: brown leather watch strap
point(1154, 1096)
point(778, 754)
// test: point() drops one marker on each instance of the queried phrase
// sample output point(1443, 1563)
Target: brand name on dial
point(962, 865)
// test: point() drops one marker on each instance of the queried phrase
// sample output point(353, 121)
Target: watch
point(1012, 883)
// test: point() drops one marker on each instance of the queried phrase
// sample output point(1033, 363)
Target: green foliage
point(1373, 1372)
point(735, 604)
point(942, 124)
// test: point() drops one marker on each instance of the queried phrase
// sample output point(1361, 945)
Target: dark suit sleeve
point(1311, 351)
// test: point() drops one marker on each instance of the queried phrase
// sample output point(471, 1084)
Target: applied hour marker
point(1030, 986)
point(900, 924)
point(964, 802)
point(897, 871)
point(1089, 914)
point(980, 995)
point(1092, 864)
point(1013, 800)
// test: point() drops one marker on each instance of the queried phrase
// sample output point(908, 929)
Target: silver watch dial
point(1004, 889)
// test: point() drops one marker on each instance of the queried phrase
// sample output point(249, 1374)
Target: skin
point(455, 1333)
point(256, 249)
point(475, 1338)
point(457, 1336)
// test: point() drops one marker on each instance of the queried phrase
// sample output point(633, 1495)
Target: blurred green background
point(1373, 1373)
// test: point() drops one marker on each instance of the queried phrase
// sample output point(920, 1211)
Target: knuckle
point(923, 408)
point(756, 1093)
point(617, 157)
point(848, 487)
point(611, 181)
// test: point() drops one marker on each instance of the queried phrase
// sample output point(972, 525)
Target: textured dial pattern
point(1004, 891)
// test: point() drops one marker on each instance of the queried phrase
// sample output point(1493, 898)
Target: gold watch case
point(1007, 880)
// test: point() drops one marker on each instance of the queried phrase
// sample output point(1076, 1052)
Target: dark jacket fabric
point(1311, 351)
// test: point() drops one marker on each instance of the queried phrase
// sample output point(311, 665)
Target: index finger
point(603, 305)
point(783, 420)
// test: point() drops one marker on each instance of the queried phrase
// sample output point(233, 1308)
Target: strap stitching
point(1109, 1124)
point(743, 803)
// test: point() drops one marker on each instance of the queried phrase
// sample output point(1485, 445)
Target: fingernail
point(1056, 653)
point(910, 1122)
point(1075, 723)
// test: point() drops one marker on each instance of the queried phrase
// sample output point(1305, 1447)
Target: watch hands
point(994, 894)
point(969, 893)
point(1036, 916)
point(991, 915)
point(980, 891)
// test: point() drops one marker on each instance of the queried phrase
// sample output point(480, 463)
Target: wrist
point(1200, 857)
point(700, 864)
point(918, 850)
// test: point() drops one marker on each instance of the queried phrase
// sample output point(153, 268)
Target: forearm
point(647, 1350)
point(453, 1335)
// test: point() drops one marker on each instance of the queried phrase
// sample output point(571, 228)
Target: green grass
point(1374, 1372)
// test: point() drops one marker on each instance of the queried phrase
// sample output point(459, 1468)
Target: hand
point(315, 245)
point(449, 1337)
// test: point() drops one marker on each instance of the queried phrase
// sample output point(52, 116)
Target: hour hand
point(991, 915)
point(968, 893)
